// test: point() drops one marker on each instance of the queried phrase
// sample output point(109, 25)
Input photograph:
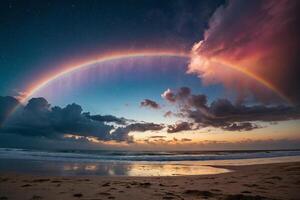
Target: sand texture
point(268, 181)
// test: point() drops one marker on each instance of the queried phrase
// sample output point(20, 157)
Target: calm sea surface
point(128, 163)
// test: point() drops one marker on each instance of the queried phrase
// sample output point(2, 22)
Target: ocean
point(133, 163)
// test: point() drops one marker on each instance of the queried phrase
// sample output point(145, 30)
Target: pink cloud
point(259, 39)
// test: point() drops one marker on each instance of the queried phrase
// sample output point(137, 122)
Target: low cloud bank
point(39, 119)
point(150, 103)
point(222, 113)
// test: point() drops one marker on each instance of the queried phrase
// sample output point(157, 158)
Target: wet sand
point(265, 181)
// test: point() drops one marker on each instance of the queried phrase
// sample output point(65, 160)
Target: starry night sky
point(37, 36)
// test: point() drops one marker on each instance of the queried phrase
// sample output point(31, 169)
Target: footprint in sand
point(4, 179)
point(145, 184)
point(246, 192)
point(244, 197)
point(26, 185)
point(104, 193)
point(199, 193)
point(105, 185)
point(40, 180)
point(168, 197)
point(36, 197)
point(56, 181)
point(215, 190)
point(250, 185)
point(275, 178)
point(77, 195)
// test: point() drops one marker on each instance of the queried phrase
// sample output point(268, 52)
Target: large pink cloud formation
point(259, 38)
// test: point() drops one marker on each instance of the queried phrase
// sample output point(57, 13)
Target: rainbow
point(38, 85)
point(259, 79)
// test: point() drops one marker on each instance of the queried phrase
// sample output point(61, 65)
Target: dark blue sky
point(37, 36)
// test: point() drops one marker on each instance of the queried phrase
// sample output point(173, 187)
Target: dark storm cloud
point(197, 101)
point(223, 114)
point(223, 108)
point(39, 119)
point(183, 92)
point(38, 106)
point(178, 127)
point(242, 126)
point(7, 104)
point(106, 118)
point(142, 127)
point(150, 103)
point(122, 133)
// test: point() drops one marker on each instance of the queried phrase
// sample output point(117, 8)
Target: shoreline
point(135, 168)
point(131, 169)
point(263, 181)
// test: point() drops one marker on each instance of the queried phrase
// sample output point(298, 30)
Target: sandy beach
point(265, 181)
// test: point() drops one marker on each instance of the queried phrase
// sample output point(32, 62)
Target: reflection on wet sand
point(130, 168)
point(133, 169)
point(107, 168)
point(172, 170)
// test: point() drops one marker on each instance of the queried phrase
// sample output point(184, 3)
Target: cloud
point(168, 114)
point(198, 101)
point(139, 127)
point(186, 140)
point(180, 126)
point(173, 96)
point(38, 106)
point(19, 95)
point(257, 37)
point(168, 95)
point(106, 118)
point(222, 113)
point(246, 144)
point(150, 103)
point(223, 108)
point(142, 127)
point(39, 119)
point(157, 137)
point(183, 92)
point(7, 104)
point(242, 126)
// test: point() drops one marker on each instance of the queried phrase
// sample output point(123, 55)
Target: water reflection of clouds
point(106, 168)
point(130, 168)
point(136, 169)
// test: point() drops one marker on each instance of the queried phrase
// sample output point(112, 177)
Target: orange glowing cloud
point(257, 38)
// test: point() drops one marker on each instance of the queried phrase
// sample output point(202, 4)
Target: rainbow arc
point(38, 85)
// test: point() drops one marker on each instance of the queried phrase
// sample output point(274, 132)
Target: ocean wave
point(126, 156)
